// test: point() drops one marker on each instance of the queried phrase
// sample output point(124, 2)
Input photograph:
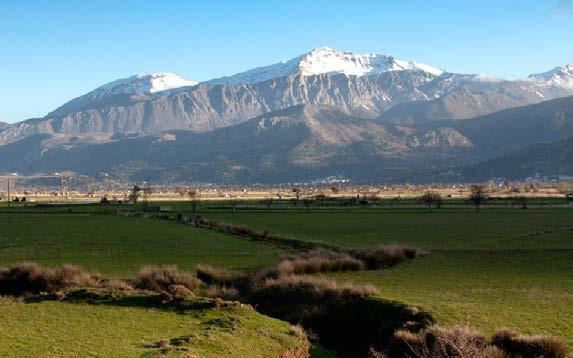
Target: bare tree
point(438, 200)
point(428, 199)
point(193, 195)
point(431, 198)
point(320, 198)
point(134, 194)
point(523, 201)
point(374, 197)
point(268, 202)
point(297, 194)
point(478, 194)
point(307, 203)
point(234, 203)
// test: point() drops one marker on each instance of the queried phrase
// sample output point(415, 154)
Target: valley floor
point(488, 270)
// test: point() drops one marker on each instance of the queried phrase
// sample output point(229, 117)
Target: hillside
point(547, 159)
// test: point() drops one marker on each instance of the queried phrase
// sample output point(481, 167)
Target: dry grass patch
point(159, 279)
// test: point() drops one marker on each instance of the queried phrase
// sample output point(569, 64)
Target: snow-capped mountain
point(326, 60)
point(559, 76)
point(117, 91)
point(143, 84)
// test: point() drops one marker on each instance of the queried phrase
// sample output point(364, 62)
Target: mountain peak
point(327, 60)
point(559, 76)
point(145, 84)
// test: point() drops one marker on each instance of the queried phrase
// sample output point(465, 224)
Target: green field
point(493, 269)
point(50, 329)
point(119, 246)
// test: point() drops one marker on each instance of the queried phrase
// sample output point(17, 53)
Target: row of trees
point(478, 195)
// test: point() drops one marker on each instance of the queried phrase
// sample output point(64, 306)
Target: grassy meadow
point(118, 246)
point(492, 269)
point(502, 267)
point(56, 329)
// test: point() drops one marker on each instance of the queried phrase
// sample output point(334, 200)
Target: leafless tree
point(428, 199)
point(234, 203)
point(134, 194)
point(194, 196)
point(268, 202)
point(478, 194)
point(320, 198)
point(522, 200)
point(297, 194)
point(307, 203)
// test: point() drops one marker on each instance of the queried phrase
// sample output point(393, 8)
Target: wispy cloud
point(563, 7)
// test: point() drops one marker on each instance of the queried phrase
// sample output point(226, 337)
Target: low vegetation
point(464, 342)
point(162, 278)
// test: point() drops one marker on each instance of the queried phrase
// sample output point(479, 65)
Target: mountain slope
point(513, 129)
point(298, 143)
point(473, 96)
point(361, 85)
point(547, 159)
point(207, 107)
point(124, 90)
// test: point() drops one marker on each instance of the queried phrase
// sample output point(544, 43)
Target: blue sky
point(52, 51)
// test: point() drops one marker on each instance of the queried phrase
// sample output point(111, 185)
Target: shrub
point(304, 290)
point(317, 261)
point(213, 275)
point(464, 342)
point(223, 292)
point(439, 342)
point(29, 278)
point(386, 256)
point(75, 276)
point(160, 278)
point(176, 293)
point(529, 346)
point(26, 278)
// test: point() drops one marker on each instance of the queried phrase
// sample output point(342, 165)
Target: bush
point(29, 278)
point(318, 261)
point(213, 275)
point(439, 342)
point(308, 290)
point(159, 279)
point(223, 292)
point(176, 293)
point(386, 256)
point(464, 342)
point(529, 346)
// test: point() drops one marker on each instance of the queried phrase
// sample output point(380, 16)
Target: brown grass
point(29, 278)
point(437, 342)
point(386, 256)
point(213, 275)
point(318, 261)
point(302, 289)
point(159, 279)
point(529, 346)
point(223, 292)
point(176, 293)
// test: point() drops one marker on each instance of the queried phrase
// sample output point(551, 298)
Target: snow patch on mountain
point(144, 84)
point(559, 76)
point(327, 60)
